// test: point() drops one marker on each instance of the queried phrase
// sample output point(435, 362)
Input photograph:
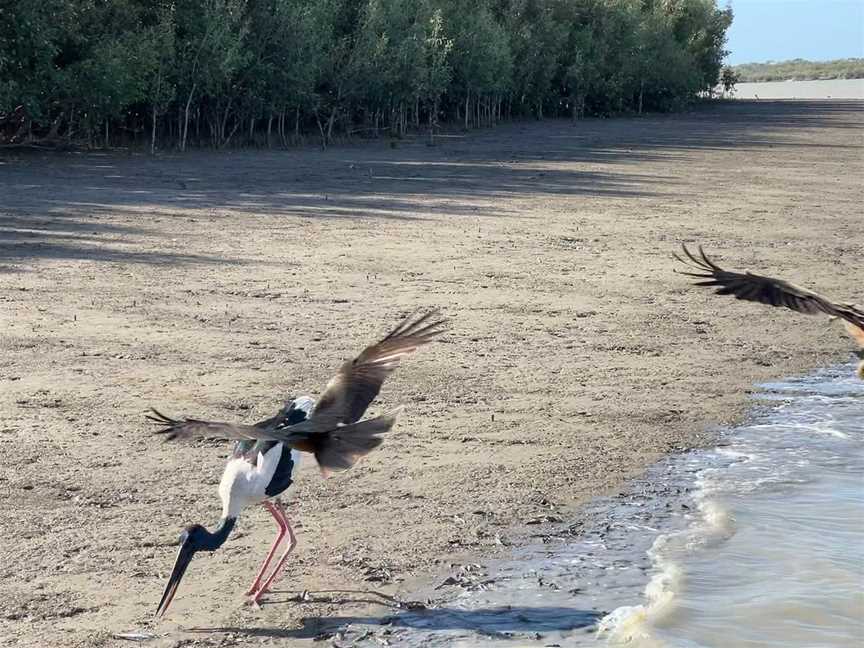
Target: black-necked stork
point(775, 292)
point(266, 453)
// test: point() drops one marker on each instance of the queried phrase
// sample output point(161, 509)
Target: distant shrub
point(728, 79)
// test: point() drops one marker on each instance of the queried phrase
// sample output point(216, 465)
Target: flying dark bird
point(775, 292)
point(266, 453)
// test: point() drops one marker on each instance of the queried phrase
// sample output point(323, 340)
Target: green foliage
point(728, 80)
point(288, 51)
point(217, 72)
point(799, 69)
point(30, 32)
point(436, 72)
point(536, 39)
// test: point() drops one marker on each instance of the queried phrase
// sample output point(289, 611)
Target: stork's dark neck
point(212, 541)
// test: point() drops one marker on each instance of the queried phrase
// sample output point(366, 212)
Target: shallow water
point(775, 554)
point(817, 89)
point(757, 542)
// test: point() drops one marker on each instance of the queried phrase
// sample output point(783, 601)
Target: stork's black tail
point(340, 449)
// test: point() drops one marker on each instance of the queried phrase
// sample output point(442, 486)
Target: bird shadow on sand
point(500, 621)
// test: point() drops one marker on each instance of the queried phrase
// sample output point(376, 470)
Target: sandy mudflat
point(218, 285)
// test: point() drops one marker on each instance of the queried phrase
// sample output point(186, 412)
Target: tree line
point(178, 73)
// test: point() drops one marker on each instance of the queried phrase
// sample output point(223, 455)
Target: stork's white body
point(244, 483)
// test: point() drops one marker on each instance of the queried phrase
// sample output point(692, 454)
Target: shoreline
point(547, 244)
point(608, 570)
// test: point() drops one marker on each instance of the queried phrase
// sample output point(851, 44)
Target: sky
point(778, 30)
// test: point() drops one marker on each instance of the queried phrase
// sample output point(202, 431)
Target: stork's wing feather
point(358, 381)
point(765, 290)
point(188, 428)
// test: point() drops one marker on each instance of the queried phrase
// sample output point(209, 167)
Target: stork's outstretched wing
point(358, 381)
point(766, 290)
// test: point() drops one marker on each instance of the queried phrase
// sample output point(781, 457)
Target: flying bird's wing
point(296, 435)
point(358, 381)
point(189, 428)
point(765, 290)
point(333, 431)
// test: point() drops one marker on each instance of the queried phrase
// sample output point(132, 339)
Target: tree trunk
point(153, 132)
point(297, 125)
point(330, 123)
point(231, 134)
point(641, 90)
point(223, 124)
point(185, 129)
point(433, 111)
point(467, 106)
point(55, 128)
point(22, 130)
point(106, 133)
point(269, 129)
point(321, 130)
point(280, 126)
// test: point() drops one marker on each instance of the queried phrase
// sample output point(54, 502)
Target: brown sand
point(218, 285)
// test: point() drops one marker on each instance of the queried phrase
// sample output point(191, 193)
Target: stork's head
point(193, 539)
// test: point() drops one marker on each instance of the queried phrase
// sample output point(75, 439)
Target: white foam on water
point(633, 624)
point(769, 558)
point(630, 623)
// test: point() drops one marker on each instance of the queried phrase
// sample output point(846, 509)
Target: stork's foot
point(253, 600)
point(255, 596)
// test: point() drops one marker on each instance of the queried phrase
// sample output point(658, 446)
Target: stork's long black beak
point(184, 557)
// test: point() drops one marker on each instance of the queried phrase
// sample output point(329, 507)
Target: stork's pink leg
point(292, 542)
point(279, 516)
